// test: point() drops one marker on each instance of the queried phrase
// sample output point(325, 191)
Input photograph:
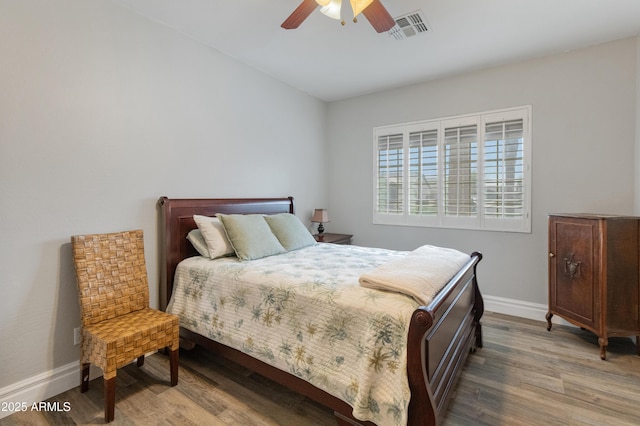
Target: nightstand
point(333, 238)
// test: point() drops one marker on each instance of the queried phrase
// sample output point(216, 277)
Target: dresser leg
point(603, 341)
point(548, 317)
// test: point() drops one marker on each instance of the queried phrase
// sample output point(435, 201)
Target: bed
point(439, 335)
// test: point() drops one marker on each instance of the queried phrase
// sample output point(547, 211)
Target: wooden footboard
point(440, 337)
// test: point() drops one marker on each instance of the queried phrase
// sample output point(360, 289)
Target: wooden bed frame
point(440, 337)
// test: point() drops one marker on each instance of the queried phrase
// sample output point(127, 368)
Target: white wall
point(584, 113)
point(101, 113)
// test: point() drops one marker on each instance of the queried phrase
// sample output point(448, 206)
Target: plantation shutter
point(467, 172)
point(390, 174)
point(503, 169)
point(460, 171)
point(423, 173)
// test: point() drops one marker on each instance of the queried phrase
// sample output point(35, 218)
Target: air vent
point(409, 25)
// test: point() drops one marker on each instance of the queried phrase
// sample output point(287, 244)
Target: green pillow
point(291, 233)
point(250, 236)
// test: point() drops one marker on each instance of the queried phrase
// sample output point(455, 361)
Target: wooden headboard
point(176, 221)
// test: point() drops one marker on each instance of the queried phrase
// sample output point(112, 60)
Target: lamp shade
point(359, 5)
point(332, 10)
point(320, 216)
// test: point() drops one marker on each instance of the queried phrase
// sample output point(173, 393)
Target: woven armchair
point(117, 324)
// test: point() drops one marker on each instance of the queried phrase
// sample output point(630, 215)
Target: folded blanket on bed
point(421, 274)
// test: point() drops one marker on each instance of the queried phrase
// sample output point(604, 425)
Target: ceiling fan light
point(323, 2)
point(332, 9)
point(359, 5)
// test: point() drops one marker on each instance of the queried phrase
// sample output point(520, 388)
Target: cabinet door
point(574, 270)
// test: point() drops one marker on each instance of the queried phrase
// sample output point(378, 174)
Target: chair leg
point(173, 365)
point(109, 399)
point(140, 362)
point(84, 377)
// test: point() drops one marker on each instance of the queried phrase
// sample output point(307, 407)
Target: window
point(469, 172)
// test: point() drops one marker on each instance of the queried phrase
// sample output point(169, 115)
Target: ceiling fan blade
point(300, 14)
point(378, 17)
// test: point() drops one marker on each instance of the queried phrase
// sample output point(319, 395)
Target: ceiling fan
point(373, 10)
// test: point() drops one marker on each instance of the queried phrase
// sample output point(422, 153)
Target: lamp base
point(320, 229)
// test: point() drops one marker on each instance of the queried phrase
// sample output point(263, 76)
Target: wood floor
point(524, 375)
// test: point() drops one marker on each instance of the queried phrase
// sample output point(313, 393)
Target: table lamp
point(320, 216)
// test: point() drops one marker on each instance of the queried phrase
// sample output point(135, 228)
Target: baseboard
point(519, 308)
point(22, 395)
point(43, 386)
point(61, 379)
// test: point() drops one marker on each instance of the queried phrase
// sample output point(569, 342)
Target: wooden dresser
point(594, 274)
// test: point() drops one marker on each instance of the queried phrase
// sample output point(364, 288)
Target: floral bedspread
point(304, 312)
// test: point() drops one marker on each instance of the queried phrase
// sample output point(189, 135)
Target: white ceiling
point(332, 62)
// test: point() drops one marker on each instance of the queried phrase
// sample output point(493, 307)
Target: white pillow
point(214, 235)
point(197, 241)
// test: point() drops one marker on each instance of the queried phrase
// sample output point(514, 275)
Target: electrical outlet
point(76, 336)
